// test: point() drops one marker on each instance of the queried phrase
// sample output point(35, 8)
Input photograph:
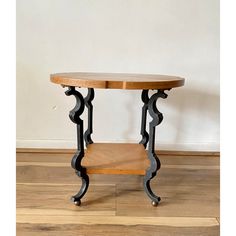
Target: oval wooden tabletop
point(117, 80)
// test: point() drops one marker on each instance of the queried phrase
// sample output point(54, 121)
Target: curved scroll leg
point(151, 173)
point(85, 183)
point(88, 103)
point(155, 164)
point(81, 172)
point(77, 158)
point(144, 133)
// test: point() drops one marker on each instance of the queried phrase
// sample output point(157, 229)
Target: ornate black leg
point(88, 103)
point(144, 133)
point(76, 160)
point(155, 164)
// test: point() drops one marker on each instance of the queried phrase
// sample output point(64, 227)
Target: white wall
point(174, 37)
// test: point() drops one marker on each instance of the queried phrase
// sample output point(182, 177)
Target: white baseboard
point(64, 144)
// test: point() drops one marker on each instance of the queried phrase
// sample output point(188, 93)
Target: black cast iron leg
point(88, 103)
point(155, 164)
point(74, 115)
point(144, 133)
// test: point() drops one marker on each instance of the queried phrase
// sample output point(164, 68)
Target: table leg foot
point(151, 172)
point(155, 204)
point(85, 184)
point(77, 203)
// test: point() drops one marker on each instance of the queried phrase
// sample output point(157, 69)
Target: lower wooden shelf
point(115, 158)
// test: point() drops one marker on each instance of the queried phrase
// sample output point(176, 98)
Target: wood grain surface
point(115, 158)
point(117, 80)
point(117, 204)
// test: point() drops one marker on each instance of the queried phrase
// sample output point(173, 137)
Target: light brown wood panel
point(112, 230)
point(119, 158)
point(57, 197)
point(117, 80)
point(117, 220)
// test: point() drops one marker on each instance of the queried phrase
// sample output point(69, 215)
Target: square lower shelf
point(116, 158)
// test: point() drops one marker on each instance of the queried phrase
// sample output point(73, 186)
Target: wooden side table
point(116, 158)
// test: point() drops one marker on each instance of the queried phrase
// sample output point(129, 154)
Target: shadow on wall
point(195, 113)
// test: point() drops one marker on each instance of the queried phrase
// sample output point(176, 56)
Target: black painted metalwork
point(155, 163)
point(147, 138)
point(144, 133)
point(74, 115)
point(88, 103)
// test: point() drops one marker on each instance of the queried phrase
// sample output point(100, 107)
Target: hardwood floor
point(117, 204)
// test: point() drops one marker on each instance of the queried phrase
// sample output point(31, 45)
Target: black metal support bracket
point(155, 163)
point(147, 138)
point(144, 133)
point(74, 115)
point(88, 103)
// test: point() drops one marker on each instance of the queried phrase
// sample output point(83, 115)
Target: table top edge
point(117, 80)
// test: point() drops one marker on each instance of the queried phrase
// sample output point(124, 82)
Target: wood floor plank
point(189, 160)
point(68, 212)
point(165, 176)
point(60, 184)
point(118, 220)
point(160, 152)
point(45, 174)
point(193, 201)
point(165, 159)
point(191, 167)
point(194, 192)
point(112, 230)
point(44, 157)
point(67, 164)
point(168, 207)
point(48, 164)
point(57, 197)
